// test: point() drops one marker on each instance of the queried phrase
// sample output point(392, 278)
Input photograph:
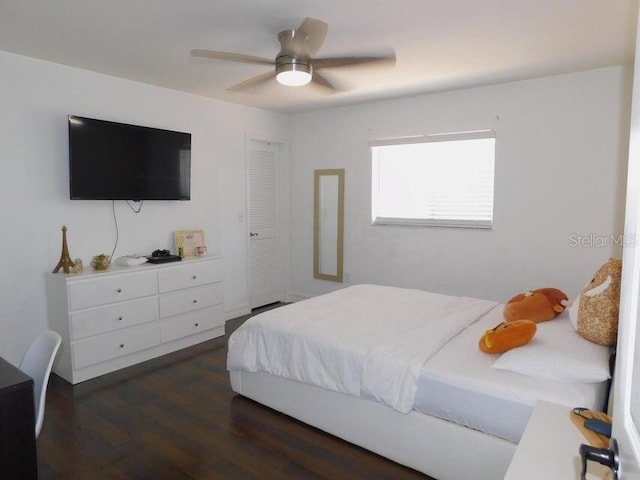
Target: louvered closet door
point(265, 264)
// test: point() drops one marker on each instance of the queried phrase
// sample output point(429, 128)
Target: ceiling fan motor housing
point(286, 63)
point(292, 56)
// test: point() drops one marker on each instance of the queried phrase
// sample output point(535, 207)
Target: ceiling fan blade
point(316, 31)
point(253, 81)
point(337, 62)
point(322, 81)
point(231, 57)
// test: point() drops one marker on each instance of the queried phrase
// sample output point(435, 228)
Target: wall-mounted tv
point(116, 161)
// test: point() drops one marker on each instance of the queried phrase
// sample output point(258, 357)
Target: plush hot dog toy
point(507, 335)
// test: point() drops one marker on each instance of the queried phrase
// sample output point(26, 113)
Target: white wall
point(560, 167)
point(561, 147)
point(35, 99)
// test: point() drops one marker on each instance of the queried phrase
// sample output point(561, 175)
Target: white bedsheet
point(365, 340)
point(459, 385)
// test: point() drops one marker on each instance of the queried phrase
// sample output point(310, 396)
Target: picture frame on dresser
point(189, 241)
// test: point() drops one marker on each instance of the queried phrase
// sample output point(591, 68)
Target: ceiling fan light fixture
point(293, 74)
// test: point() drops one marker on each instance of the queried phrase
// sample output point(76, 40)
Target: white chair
point(37, 364)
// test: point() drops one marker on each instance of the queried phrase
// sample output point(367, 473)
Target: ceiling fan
point(295, 64)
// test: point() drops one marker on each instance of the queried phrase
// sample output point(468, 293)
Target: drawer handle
point(120, 317)
point(195, 301)
point(122, 345)
point(119, 290)
point(197, 324)
point(194, 277)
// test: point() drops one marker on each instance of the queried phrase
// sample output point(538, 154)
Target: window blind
point(441, 180)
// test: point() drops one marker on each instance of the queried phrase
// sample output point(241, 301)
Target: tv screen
point(116, 161)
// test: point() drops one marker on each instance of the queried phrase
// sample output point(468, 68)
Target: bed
point(398, 372)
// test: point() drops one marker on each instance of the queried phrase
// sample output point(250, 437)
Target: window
point(435, 180)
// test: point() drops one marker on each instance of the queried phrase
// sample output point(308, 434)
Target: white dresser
point(125, 315)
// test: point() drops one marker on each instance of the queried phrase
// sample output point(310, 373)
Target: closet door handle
point(251, 234)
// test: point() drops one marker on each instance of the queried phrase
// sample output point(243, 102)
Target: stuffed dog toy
point(536, 305)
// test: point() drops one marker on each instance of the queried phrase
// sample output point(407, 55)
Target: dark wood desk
point(18, 457)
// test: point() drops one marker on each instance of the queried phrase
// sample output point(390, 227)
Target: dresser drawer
point(117, 288)
point(189, 275)
point(192, 323)
point(112, 345)
point(86, 323)
point(190, 300)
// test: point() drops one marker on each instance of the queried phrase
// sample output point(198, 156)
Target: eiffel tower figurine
point(65, 259)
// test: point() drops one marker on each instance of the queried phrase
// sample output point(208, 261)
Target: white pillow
point(573, 312)
point(559, 354)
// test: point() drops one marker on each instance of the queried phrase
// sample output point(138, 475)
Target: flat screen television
point(116, 161)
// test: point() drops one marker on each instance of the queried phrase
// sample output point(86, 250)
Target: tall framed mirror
point(328, 224)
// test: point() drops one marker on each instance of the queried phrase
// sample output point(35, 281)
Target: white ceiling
point(439, 44)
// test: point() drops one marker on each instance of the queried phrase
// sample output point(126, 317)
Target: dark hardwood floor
point(176, 417)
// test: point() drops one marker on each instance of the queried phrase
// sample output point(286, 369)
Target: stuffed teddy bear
point(599, 305)
point(507, 335)
point(536, 305)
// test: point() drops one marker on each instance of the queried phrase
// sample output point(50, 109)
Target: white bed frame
point(438, 448)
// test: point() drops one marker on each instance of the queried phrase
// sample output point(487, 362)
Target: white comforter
point(366, 340)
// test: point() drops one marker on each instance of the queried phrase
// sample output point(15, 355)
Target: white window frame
point(486, 223)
